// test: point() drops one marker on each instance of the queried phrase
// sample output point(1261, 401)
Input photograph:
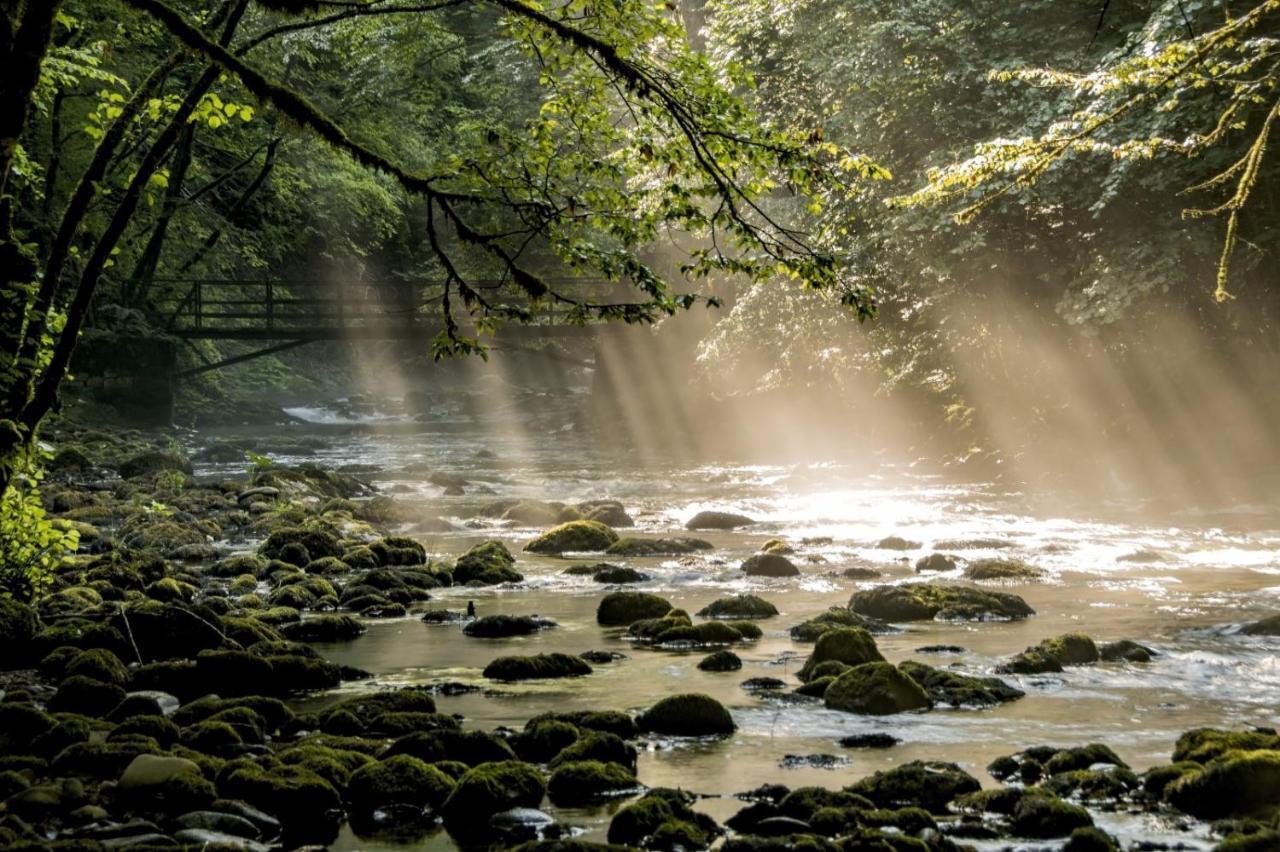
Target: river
point(1193, 577)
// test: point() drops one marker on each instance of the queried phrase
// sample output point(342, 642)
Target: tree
point(634, 134)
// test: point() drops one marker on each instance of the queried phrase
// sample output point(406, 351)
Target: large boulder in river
point(1238, 783)
point(852, 646)
point(717, 521)
point(486, 564)
point(926, 601)
point(957, 690)
point(500, 626)
point(657, 546)
point(151, 462)
point(619, 609)
point(492, 788)
point(537, 667)
point(835, 618)
point(739, 606)
point(689, 715)
point(923, 784)
point(574, 536)
point(769, 565)
point(1069, 649)
point(875, 689)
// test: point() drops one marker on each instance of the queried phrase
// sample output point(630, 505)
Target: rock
point(876, 689)
point(1237, 783)
point(1269, 626)
point(687, 715)
point(492, 788)
point(618, 574)
point(294, 794)
point(926, 784)
point(1125, 650)
point(936, 562)
point(602, 657)
point(220, 822)
point(739, 606)
point(536, 667)
point(876, 740)
point(860, 572)
point(488, 564)
point(501, 626)
point(1069, 649)
point(317, 542)
point(324, 628)
point(151, 462)
point(1002, 569)
point(927, 601)
point(660, 814)
point(1202, 745)
point(172, 784)
point(1091, 839)
point(469, 748)
point(836, 617)
point(973, 544)
point(769, 565)
point(399, 779)
point(717, 521)
point(657, 546)
point(619, 609)
point(763, 684)
point(608, 512)
point(87, 696)
point(574, 536)
point(720, 661)
point(206, 839)
point(98, 664)
point(894, 542)
point(957, 690)
point(18, 627)
point(582, 782)
point(851, 646)
point(530, 513)
point(1041, 816)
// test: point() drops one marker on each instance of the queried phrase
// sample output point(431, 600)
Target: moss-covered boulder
point(852, 646)
point(619, 609)
point(400, 779)
point(324, 628)
point(739, 606)
point(947, 602)
point(583, 782)
point(542, 739)
point(86, 696)
point(957, 690)
point(769, 565)
point(1043, 816)
point(1125, 650)
point(313, 542)
point(169, 784)
point(679, 546)
point(936, 563)
point(1269, 626)
point(293, 794)
point(492, 788)
point(1236, 783)
point(18, 627)
point(618, 575)
point(720, 661)
point(500, 626)
point(876, 689)
point(487, 564)
point(1002, 569)
point(574, 536)
point(470, 748)
point(930, 785)
point(1202, 745)
point(151, 462)
point(687, 715)
point(833, 618)
point(536, 667)
point(662, 813)
point(1069, 649)
point(713, 520)
point(99, 664)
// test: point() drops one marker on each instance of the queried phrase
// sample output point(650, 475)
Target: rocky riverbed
point(250, 652)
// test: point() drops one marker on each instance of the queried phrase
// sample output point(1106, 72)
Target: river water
point(1199, 574)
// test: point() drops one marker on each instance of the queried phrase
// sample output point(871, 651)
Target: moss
point(720, 661)
point(1091, 785)
point(715, 520)
point(398, 550)
point(400, 779)
point(66, 732)
point(1082, 757)
point(317, 541)
point(1001, 569)
point(739, 606)
point(655, 816)
point(1125, 650)
point(500, 626)
point(492, 788)
point(248, 724)
point(98, 664)
point(926, 784)
point(876, 689)
point(574, 536)
point(703, 634)
point(833, 618)
point(1261, 841)
point(235, 673)
point(74, 632)
point(277, 616)
point(536, 667)
point(581, 782)
point(105, 760)
point(294, 553)
point(610, 721)
point(600, 746)
point(769, 565)
point(469, 747)
point(1204, 744)
point(849, 645)
point(1236, 783)
point(360, 557)
point(212, 737)
point(158, 728)
point(1047, 816)
point(543, 739)
point(657, 546)
point(241, 564)
point(325, 628)
point(151, 462)
point(687, 715)
point(927, 601)
point(488, 563)
point(298, 673)
point(80, 694)
point(291, 793)
point(957, 690)
point(619, 609)
point(327, 565)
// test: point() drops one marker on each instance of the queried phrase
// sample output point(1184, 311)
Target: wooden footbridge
point(290, 313)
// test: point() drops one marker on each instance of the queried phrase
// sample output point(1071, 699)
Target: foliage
point(31, 547)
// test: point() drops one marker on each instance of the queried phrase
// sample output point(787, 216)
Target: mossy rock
point(852, 646)
point(777, 545)
point(931, 785)
point(158, 728)
point(574, 536)
point(169, 784)
point(471, 748)
point(957, 690)
point(398, 550)
point(1157, 778)
point(687, 715)
point(619, 609)
point(619, 575)
point(834, 618)
point(704, 634)
point(712, 520)
point(160, 537)
point(1269, 626)
point(936, 563)
point(1202, 745)
point(489, 789)
point(640, 822)
point(211, 737)
point(876, 689)
point(769, 565)
point(168, 631)
point(1081, 757)
point(98, 664)
point(367, 707)
point(720, 661)
point(680, 546)
point(1093, 785)
point(536, 667)
point(151, 462)
point(328, 566)
point(316, 541)
point(101, 761)
point(1002, 569)
point(1046, 816)
point(488, 564)
point(87, 696)
point(1236, 783)
point(739, 606)
point(293, 794)
point(602, 746)
point(324, 628)
point(1125, 650)
point(543, 739)
point(583, 782)
point(927, 601)
point(608, 721)
point(399, 779)
point(501, 626)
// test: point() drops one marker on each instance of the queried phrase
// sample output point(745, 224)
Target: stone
point(957, 690)
point(739, 606)
point(501, 626)
point(582, 782)
point(852, 646)
point(769, 565)
point(720, 661)
point(619, 609)
point(687, 715)
point(927, 601)
point(936, 562)
point(876, 689)
point(1002, 569)
point(711, 520)
point(536, 667)
point(488, 564)
point(574, 536)
point(657, 546)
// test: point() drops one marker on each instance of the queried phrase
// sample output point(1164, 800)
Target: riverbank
point(295, 593)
